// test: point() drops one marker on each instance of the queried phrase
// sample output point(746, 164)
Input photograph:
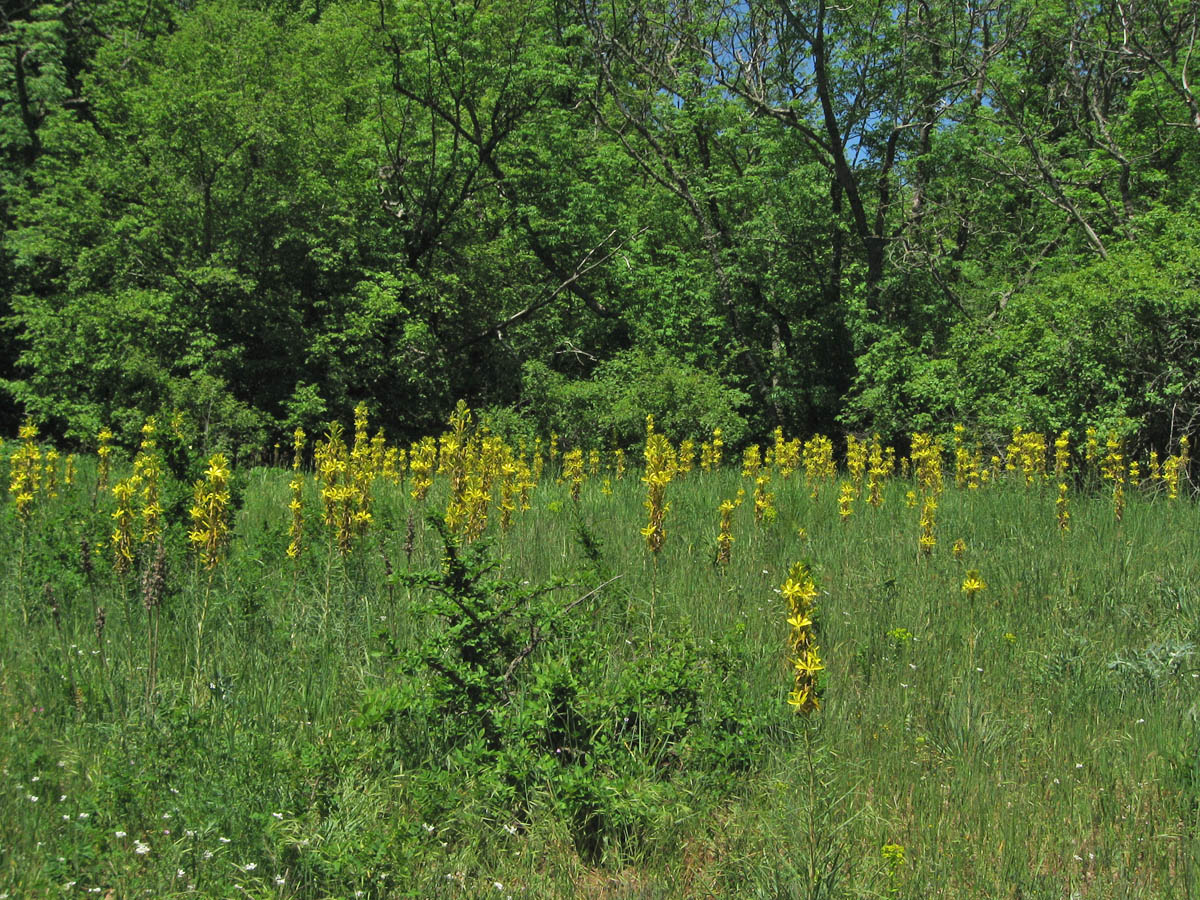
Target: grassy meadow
point(554, 710)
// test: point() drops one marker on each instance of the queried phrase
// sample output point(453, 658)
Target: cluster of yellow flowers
point(1062, 455)
point(846, 501)
point(926, 456)
point(928, 539)
point(147, 470)
point(422, 460)
point(800, 592)
point(210, 513)
point(856, 460)
point(25, 472)
point(1062, 509)
point(751, 461)
point(345, 489)
point(572, 470)
point(725, 535)
point(485, 463)
point(1026, 453)
point(786, 454)
point(880, 465)
point(296, 504)
point(686, 457)
point(104, 456)
point(1174, 465)
point(818, 461)
point(764, 499)
point(661, 462)
point(1112, 469)
point(710, 452)
point(122, 536)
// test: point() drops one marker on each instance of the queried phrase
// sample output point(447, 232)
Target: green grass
point(1039, 740)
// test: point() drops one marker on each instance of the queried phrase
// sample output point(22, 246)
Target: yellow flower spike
point(25, 473)
point(210, 513)
point(661, 467)
point(800, 592)
point(1062, 509)
point(846, 501)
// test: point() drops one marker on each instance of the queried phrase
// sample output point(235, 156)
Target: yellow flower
point(973, 584)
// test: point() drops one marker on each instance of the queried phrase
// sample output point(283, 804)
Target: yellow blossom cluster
point(800, 592)
point(25, 472)
point(661, 462)
point(210, 513)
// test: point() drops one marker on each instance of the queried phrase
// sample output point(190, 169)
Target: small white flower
point(62, 798)
point(249, 867)
point(84, 815)
point(208, 854)
point(1079, 765)
point(497, 885)
point(140, 849)
point(279, 879)
point(66, 818)
point(119, 834)
point(277, 815)
point(223, 840)
point(33, 799)
point(189, 833)
point(1140, 722)
point(36, 778)
point(166, 815)
point(179, 873)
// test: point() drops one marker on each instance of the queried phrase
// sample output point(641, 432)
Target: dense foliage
point(881, 215)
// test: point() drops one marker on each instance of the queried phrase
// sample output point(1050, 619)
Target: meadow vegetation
point(473, 668)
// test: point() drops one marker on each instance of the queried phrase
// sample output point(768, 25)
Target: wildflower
point(660, 469)
point(928, 539)
point(800, 592)
point(764, 500)
point(209, 512)
point(973, 584)
point(818, 463)
point(846, 501)
point(725, 536)
point(147, 469)
point(959, 548)
point(122, 536)
point(140, 848)
point(25, 472)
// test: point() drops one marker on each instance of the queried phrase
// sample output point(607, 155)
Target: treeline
point(875, 216)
